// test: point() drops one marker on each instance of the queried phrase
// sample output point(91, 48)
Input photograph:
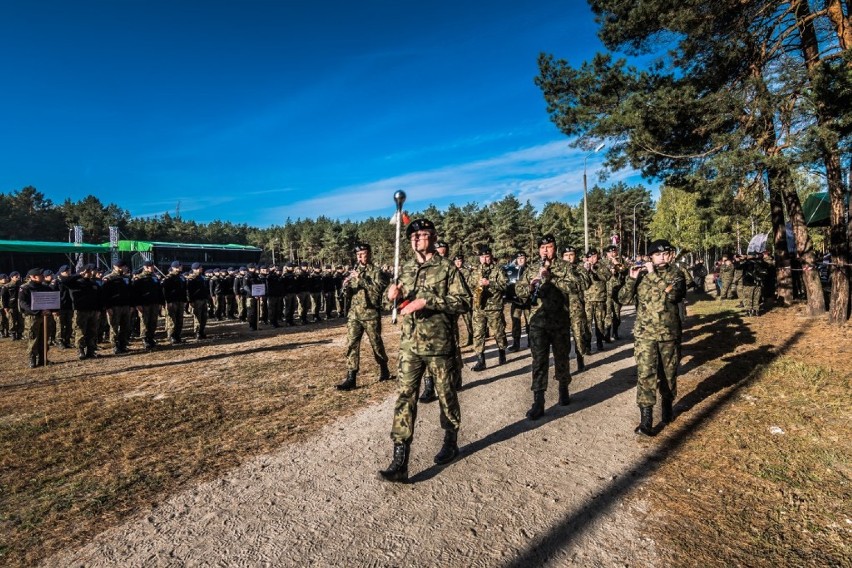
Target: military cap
point(261, 267)
point(62, 269)
point(610, 248)
point(569, 248)
point(362, 246)
point(419, 225)
point(119, 263)
point(35, 272)
point(242, 269)
point(89, 268)
point(148, 263)
point(591, 252)
point(3, 276)
point(176, 264)
point(196, 265)
point(520, 254)
point(660, 245)
point(14, 273)
point(442, 244)
point(232, 269)
point(546, 239)
point(47, 272)
point(484, 249)
point(289, 265)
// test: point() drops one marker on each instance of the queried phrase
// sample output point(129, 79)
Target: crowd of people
point(562, 294)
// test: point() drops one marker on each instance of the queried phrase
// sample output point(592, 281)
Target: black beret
point(569, 248)
point(119, 263)
point(591, 252)
point(484, 249)
point(242, 269)
point(35, 272)
point(261, 266)
point(458, 257)
point(442, 244)
point(546, 239)
point(419, 225)
point(3, 276)
point(14, 273)
point(47, 273)
point(62, 269)
point(89, 267)
point(148, 263)
point(196, 265)
point(660, 245)
point(176, 264)
point(610, 248)
point(362, 246)
point(250, 265)
point(520, 254)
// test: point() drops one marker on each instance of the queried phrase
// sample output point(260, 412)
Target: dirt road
point(550, 492)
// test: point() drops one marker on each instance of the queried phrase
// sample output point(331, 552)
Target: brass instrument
point(538, 282)
point(479, 292)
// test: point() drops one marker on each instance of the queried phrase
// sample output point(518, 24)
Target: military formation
point(95, 305)
point(558, 295)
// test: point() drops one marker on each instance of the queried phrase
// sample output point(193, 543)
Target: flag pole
point(399, 198)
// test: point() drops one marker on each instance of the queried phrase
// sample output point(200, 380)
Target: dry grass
point(736, 491)
point(84, 445)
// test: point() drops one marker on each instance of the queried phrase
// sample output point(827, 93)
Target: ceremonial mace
point(399, 199)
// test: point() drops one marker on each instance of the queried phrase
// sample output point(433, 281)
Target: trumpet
point(538, 282)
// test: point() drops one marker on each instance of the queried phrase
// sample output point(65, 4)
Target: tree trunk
point(838, 311)
point(783, 274)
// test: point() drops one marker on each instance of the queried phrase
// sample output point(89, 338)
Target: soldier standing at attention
point(239, 293)
point(86, 297)
point(458, 260)
point(117, 299)
point(365, 286)
point(315, 287)
point(174, 296)
point(550, 322)
point(596, 297)
point(431, 293)
point(274, 296)
point(339, 276)
point(228, 285)
point(291, 298)
point(578, 282)
point(148, 297)
point(10, 305)
point(615, 264)
point(4, 319)
point(656, 288)
point(66, 307)
point(519, 310)
point(328, 291)
point(197, 294)
point(33, 320)
point(251, 278)
point(488, 283)
point(726, 276)
point(303, 291)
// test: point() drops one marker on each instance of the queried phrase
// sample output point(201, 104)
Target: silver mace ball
point(399, 198)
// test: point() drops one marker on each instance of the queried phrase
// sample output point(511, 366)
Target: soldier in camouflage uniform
point(656, 289)
point(33, 320)
point(550, 321)
point(737, 283)
point(613, 262)
point(431, 293)
point(466, 317)
point(148, 297)
point(174, 296)
point(578, 282)
point(488, 283)
point(596, 297)
point(86, 296)
point(197, 295)
point(519, 311)
point(726, 276)
point(10, 305)
point(365, 287)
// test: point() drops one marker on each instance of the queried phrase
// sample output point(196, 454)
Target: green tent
point(49, 247)
point(816, 209)
point(148, 246)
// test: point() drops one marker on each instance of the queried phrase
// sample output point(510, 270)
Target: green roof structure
point(50, 247)
point(148, 246)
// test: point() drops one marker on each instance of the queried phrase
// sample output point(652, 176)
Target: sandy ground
point(552, 492)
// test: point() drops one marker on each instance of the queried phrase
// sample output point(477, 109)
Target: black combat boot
point(667, 411)
point(646, 421)
point(449, 450)
point(81, 353)
point(349, 383)
point(480, 362)
point(384, 372)
point(398, 468)
point(428, 390)
point(516, 345)
point(599, 340)
point(564, 395)
point(501, 356)
point(469, 339)
point(608, 334)
point(33, 361)
point(615, 332)
point(536, 411)
point(91, 353)
point(581, 364)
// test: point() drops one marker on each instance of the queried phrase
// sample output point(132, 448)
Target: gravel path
point(551, 492)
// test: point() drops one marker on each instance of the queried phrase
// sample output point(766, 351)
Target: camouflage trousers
point(119, 325)
point(580, 331)
point(411, 370)
point(66, 326)
point(219, 306)
point(542, 340)
point(4, 322)
point(613, 313)
point(656, 367)
point(355, 330)
point(199, 316)
point(34, 334)
point(467, 317)
point(86, 324)
point(263, 308)
point(596, 318)
point(304, 305)
point(316, 304)
point(148, 319)
point(241, 307)
point(516, 314)
point(726, 289)
point(16, 321)
point(328, 303)
point(174, 319)
point(291, 301)
point(751, 297)
point(483, 320)
point(252, 311)
point(230, 306)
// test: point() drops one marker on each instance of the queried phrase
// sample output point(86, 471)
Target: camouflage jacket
point(366, 292)
point(550, 308)
point(618, 274)
point(726, 272)
point(578, 282)
point(599, 274)
point(431, 331)
point(656, 297)
point(490, 297)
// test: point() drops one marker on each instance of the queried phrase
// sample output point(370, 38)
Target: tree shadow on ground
point(737, 372)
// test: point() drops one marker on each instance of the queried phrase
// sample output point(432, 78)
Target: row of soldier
point(120, 304)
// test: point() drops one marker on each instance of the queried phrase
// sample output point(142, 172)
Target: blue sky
point(252, 111)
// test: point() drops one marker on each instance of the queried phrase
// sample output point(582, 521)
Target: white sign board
point(258, 290)
point(45, 301)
